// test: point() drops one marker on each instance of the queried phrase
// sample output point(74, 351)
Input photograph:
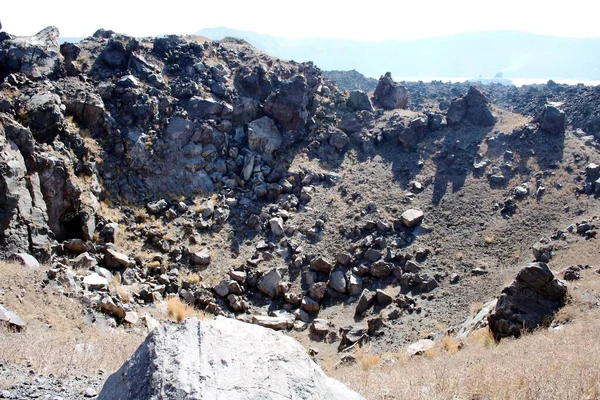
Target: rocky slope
point(140, 170)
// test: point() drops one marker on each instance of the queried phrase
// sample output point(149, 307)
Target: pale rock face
point(221, 359)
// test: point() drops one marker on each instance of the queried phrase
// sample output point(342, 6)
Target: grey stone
point(270, 283)
point(337, 281)
point(310, 306)
point(157, 207)
point(95, 282)
point(276, 225)
point(389, 94)
point(359, 101)
point(338, 139)
point(412, 217)
point(542, 252)
point(11, 319)
point(365, 301)
point(263, 136)
point(380, 269)
point(355, 286)
point(552, 120)
point(168, 363)
point(320, 264)
point(202, 257)
point(372, 255)
point(27, 260)
point(383, 299)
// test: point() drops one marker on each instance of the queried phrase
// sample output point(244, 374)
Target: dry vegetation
point(547, 364)
point(56, 340)
point(180, 310)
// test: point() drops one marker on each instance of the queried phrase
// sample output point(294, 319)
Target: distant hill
point(514, 54)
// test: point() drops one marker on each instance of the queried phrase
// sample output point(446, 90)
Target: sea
point(505, 81)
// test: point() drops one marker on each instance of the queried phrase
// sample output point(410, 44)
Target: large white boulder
point(221, 359)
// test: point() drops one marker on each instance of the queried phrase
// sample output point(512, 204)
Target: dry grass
point(56, 340)
point(180, 310)
point(543, 365)
point(118, 289)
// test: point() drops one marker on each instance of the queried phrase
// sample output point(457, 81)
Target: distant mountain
point(514, 54)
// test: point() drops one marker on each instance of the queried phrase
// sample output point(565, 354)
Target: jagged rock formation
point(534, 296)
point(221, 359)
point(390, 95)
point(474, 106)
point(351, 80)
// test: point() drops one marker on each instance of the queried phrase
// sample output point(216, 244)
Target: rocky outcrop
point(533, 297)
point(221, 359)
point(474, 106)
point(351, 80)
point(36, 56)
point(552, 120)
point(390, 95)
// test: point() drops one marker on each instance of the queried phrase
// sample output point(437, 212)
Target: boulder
point(278, 323)
point(457, 111)
point(276, 225)
point(199, 108)
point(321, 264)
point(365, 301)
point(27, 260)
point(11, 319)
point(474, 106)
point(533, 297)
point(338, 139)
point(359, 101)
point(221, 359)
point(270, 283)
point(389, 94)
point(288, 107)
point(542, 251)
point(114, 259)
point(337, 281)
point(552, 119)
point(202, 257)
point(263, 136)
point(95, 282)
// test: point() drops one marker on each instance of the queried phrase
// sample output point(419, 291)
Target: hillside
point(469, 55)
point(156, 179)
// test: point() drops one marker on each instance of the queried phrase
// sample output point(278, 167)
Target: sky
point(364, 20)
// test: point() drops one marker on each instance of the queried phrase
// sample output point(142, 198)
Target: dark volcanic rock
point(474, 106)
point(531, 298)
point(36, 56)
point(389, 94)
point(552, 120)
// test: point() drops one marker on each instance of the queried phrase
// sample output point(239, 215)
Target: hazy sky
point(366, 20)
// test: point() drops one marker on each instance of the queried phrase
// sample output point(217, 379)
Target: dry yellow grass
point(118, 289)
point(545, 364)
point(56, 339)
point(180, 310)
